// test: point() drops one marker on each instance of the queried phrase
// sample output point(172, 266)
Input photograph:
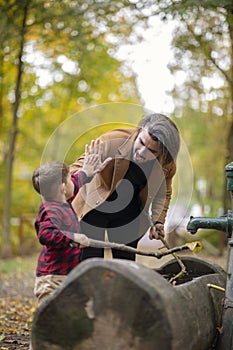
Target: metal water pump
point(225, 224)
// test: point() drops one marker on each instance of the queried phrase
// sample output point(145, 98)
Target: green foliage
point(202, 46)
point(67, 63)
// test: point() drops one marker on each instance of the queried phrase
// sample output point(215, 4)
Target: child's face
point(69, 187)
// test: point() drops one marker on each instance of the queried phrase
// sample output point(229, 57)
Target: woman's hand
point(157, 231)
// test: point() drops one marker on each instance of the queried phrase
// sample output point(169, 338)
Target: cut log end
point(121, 305)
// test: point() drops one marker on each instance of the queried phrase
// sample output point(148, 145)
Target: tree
point(203, 57)
point(71, 42)
point(6, 247)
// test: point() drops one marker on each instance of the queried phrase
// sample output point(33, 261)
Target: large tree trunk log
point(121, 305)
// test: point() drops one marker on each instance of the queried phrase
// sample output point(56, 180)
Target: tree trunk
point(7, 195)
point(121, 305)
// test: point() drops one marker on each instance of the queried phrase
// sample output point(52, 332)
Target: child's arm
point(49, 232)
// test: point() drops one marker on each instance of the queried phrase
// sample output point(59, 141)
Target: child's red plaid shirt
point(55, 225)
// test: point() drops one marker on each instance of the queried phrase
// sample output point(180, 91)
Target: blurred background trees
point(58, 58)
point(203, 62)
point(203, 98)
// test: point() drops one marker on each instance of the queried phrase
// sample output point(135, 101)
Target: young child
point(57, 225)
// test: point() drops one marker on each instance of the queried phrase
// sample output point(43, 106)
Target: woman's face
point(145, 148)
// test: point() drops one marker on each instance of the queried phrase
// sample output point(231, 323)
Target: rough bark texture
point(117, 304)
point(6, 216)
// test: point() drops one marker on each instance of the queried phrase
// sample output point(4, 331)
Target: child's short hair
point(47, 178)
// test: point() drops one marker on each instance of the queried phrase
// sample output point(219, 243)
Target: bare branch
point(101, 244)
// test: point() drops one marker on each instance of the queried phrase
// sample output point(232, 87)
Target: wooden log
point(121, 305)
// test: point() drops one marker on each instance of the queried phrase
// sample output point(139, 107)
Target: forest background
point(74, 45)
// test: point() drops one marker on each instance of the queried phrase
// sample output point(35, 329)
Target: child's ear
point(63, 188)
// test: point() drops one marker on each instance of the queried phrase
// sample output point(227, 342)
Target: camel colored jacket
point(155, 195)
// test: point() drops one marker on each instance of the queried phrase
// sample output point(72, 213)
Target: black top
point(124, 203)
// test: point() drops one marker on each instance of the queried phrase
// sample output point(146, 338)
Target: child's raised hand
point(92, 161)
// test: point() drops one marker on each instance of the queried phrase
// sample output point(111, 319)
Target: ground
point(17, 303)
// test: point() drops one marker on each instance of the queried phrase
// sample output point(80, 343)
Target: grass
point(18, 264)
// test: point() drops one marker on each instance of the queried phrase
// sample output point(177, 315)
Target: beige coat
point(157, 193)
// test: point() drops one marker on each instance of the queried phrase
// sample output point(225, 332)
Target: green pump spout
point(223, 223)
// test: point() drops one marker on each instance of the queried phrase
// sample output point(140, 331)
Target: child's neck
point(60, 197)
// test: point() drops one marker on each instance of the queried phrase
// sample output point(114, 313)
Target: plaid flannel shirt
point(55, 225)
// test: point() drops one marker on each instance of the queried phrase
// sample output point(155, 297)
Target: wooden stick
point(102, 244)
point(183, 268)
point(173, 252)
